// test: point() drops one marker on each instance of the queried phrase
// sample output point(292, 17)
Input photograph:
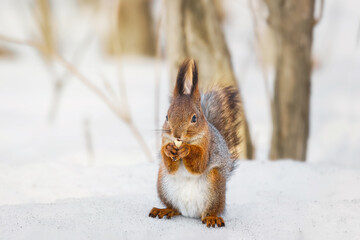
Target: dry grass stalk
point(6, 53)
point(43, 19)
point(158, 70)
point(261, 51)
point(118, 48)
point(358, 35)
point(94, 4)
point(61, 80)
point(317, 20)
point(89, 142)
point(122, 115)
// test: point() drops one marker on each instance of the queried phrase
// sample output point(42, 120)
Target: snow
point(50, 189)
point(264, 201)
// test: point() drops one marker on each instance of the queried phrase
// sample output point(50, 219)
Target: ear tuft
point(187, 78)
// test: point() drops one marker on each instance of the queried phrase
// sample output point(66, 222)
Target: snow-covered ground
point(51, 189)
point(283, 200)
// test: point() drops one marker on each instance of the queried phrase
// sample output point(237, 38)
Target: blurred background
point(85, 86)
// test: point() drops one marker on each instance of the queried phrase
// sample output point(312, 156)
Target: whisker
point(162, 130)
point(189, 131)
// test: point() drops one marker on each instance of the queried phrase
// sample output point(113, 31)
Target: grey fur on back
point(222, 108)
point(219, 155)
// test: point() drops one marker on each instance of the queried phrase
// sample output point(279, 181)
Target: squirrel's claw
point(168, 212)
point(170, 151)
point(212, 221)
point(154, 212)
point(175, 153)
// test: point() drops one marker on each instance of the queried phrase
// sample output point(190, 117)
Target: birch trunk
point(194, 30)
point(292, 22)
point(135, 28)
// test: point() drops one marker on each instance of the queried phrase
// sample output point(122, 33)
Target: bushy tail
point(223, 109)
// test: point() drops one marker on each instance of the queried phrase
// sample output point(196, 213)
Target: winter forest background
point(84, 90)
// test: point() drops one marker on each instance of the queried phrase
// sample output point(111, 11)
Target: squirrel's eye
point(167, 119)
point(193, 120)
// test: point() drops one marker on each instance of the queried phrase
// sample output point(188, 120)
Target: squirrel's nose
point(177, 136)
point(178, 133)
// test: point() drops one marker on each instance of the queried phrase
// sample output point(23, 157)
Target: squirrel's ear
point(187, 79)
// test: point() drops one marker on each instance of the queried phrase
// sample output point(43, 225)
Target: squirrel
point(200, 145)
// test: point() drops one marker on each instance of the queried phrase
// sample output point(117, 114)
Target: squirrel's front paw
point(175, 153)
point(170, 150)
point(183, 151)
point(168, 212)
point(212, 221)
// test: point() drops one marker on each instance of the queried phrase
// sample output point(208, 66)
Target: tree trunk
point(292, 22)
point(194, 30)
point(134, 33)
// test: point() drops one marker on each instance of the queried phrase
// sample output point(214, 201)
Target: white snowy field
point(283, 200)
point(51, 189)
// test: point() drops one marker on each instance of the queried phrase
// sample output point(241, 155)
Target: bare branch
point(108, 87)
point(263, 68)
point(122, 90)
point(124, 117)
point(89, 142)
point(54, 105)
point(22, 42)
point(88, 83)
point(358, 35)
point(158, 69)
point(121, 115)
point(317, 20)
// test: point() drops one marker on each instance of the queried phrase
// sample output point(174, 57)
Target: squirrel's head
point(185, 120)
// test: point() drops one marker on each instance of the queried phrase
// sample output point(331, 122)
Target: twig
point(118, 51)
point(88, 83)
point(61, 81)
point(122, 90)
point(358, 35)
point(317, 20)
point(88, 142)
point(54, 105)
point(120, 114)
point(126, 110)
point(108, 87)
point(124, 117)
point(22, 42)
point(123, 99)
point(158, 71)
point(264, 71)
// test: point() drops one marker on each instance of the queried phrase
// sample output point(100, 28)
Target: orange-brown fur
point(160, 213)
point(196, 161)
point(194, 157)
point(168, 152)
point(217, 203)
point(194, 151)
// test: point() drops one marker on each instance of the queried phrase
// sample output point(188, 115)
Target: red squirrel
point(200, 144)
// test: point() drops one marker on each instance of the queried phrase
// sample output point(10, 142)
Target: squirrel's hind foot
point(168, 212)
point(212, 221)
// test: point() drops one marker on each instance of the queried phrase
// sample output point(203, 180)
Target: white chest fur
point(187, 192)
